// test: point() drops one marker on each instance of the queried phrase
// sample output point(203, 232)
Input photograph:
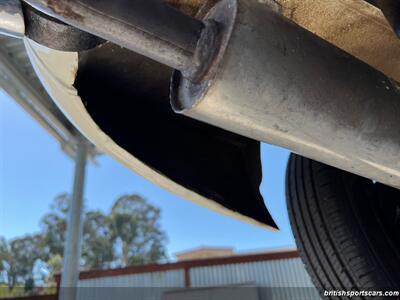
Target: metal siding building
point(173, 278)
point(278, 275)
point(136, 286)
point(272, 277)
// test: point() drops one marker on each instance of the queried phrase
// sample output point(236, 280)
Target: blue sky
point(34, 170)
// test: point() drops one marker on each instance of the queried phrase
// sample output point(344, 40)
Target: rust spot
point(189, 7)
point(64, 10)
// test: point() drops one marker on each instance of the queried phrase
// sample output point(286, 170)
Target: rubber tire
point(346, 227)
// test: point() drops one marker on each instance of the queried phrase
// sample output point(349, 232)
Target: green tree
point(130, 234)
point(26, 251)
point(17, 259)
point(97, 246)
point(54, 266)
point(136, 230)
point(7, 264)
point(53, 226)
point(97, 249)
point(4, 252)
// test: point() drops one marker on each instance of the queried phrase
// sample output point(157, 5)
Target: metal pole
point(70, 271)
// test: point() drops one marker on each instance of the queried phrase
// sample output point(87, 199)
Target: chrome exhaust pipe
point(278, 83)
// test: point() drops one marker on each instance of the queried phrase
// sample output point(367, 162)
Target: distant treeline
point(129, 234)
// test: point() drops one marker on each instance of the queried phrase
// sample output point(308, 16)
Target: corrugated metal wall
point(275, 279)
point(173, 278)
point(146, 286)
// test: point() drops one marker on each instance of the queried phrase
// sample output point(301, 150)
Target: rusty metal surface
point(151, 28)
point(57, 35)
point(189, 7)
point(352, 25)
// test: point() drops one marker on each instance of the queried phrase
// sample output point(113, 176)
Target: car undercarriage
point(183, 92)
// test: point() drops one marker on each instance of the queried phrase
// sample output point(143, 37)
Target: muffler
point(275, 82)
